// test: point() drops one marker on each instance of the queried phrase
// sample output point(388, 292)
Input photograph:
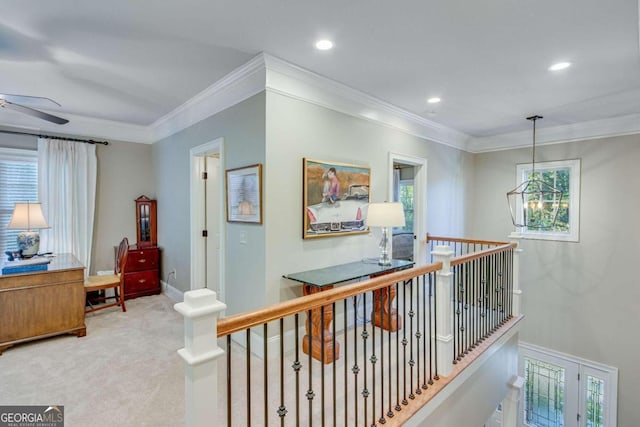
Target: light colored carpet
point(125, 372)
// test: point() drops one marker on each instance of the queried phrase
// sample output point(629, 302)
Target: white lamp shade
point(27, 216)
point(385, 215)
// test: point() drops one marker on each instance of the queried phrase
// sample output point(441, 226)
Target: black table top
point(335, 274)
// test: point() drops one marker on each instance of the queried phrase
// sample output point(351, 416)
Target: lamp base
point(28, 243)
point(384, 249)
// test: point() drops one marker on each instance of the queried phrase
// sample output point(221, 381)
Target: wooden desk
point(42, 304)
point(318, 280)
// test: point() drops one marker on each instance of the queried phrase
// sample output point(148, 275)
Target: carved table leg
point(384, 315)
point(320, 345)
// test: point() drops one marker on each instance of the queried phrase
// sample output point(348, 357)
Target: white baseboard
point(175, 294)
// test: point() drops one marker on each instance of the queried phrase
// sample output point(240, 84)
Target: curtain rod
point(86, 141)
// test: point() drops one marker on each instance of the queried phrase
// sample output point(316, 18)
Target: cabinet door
point(146, 227)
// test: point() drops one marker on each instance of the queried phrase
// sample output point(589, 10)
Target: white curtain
point(67, 174)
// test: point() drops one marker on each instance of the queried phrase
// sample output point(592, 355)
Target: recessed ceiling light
point(324, 44)
point(559, 66)
point(433, 100)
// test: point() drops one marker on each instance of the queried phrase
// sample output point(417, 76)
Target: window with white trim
point(565, 176)
point(18, 183)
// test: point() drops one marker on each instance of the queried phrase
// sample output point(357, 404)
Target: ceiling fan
point(16, 103)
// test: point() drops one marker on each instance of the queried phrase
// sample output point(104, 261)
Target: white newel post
point(444, 311)
point(517, 292)
point(511, 411)
point(201, 310)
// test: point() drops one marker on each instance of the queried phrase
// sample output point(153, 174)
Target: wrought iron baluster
point(310, 393)
point(248, 356)
point(511, 279)
point(374, 359)
point(265, 374)
point(333, 365)
point(504, 271)
point(382, 420)
point(229, 382)
point(501, 270)
point(412, 361)
point(346, 360)
point(457, 292)
point(497, 289)
point(432, 335)
point(473, 324)
point(365, 336)
point(418, 336)
point(297, 366)
point(404, 346)
point(390, 364)
point(487, 296)
point(398, 407)
point(355, 368)
point(427, 334)
point(322, 363)
point(282, 409)
point(482, 302)
point(435, 328)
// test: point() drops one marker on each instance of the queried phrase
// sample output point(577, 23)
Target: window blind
point(18, 183)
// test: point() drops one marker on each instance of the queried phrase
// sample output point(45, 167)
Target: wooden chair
point(113, 281)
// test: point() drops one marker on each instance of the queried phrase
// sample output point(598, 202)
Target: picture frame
point(335, 198)
point(244, 194)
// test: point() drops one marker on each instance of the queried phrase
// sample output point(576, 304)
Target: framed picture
point(244, 194)
point(335, 198)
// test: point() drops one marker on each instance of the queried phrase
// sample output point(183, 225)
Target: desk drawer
point(142, 259)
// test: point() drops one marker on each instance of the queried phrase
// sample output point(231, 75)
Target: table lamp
point(28, 216)
point(385, 215)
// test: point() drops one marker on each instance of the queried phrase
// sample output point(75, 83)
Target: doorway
point(408, 185)
point(562, 390)
point(207, 233)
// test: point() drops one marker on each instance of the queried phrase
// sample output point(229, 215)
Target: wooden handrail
point(477, 255)
point(462, 240)
point(239, 322)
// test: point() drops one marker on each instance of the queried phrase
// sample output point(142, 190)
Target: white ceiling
point(133, 62)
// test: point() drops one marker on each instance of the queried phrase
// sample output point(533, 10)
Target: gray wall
point(297, 129)
point(243, 129)
point(124, 173)
point(579, 298)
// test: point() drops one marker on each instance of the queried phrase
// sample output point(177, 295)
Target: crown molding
point(267, 72)
point(299, 83)
point(87, 127)
point(585, 131)
point(240, 84)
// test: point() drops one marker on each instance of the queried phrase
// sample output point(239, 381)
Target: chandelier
point(534, 204)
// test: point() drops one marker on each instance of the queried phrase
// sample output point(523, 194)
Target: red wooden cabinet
point(142, 272)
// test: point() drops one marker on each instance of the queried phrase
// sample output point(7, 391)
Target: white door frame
point(420, 201)
point(197, 216)
point(575, 391)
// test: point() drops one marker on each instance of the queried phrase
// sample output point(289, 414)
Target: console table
point(322, 279)
point(41, 304)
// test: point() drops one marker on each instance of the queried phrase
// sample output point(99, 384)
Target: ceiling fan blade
point(32, 112)
point(36, 101)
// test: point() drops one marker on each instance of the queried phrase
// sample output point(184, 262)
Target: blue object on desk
point(24, 268)
point(26, 265)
